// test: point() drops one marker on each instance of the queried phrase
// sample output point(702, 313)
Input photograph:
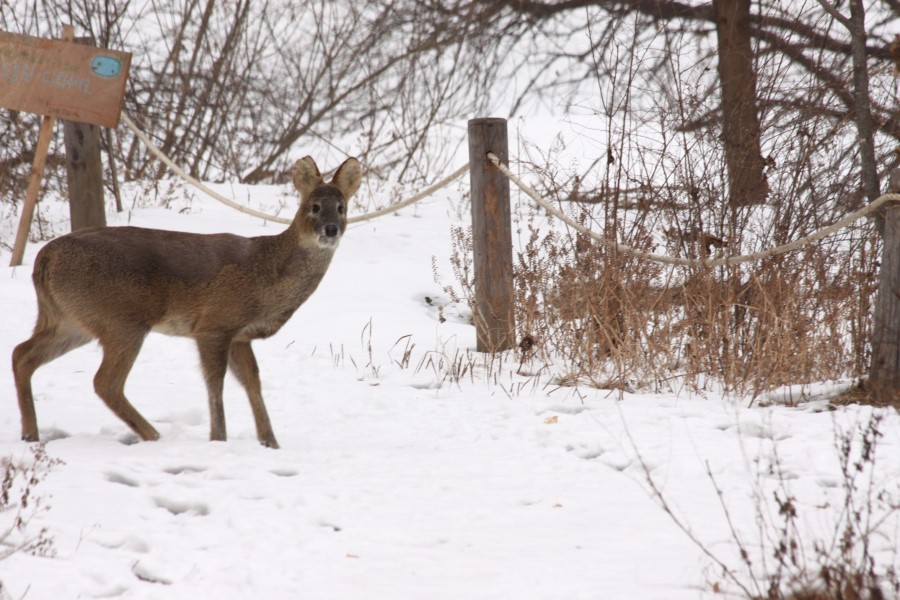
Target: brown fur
point(118, 284)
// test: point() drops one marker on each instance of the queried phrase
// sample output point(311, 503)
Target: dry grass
point(859, 393)
point(614, 321)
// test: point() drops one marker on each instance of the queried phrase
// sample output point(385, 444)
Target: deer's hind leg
point(51, 339)
point(243, 364)
point(119, 353)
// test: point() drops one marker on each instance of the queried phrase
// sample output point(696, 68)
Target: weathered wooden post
point(884, 376)
point(85, 175)
point(84, 170)
point(494, 316)
point(45, 135)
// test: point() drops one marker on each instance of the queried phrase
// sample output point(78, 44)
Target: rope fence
point(420, 196)
point(540, 201)
point(669, 260)
point(194, 182)
point(275, 219)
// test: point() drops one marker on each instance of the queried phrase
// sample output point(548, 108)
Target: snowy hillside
point(397, 478)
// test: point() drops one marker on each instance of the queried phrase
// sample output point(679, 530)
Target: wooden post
point(85, 175)
point(34, 186)
point(84, 170)
point(494, 317)
point(110, 157)
point(884, 376)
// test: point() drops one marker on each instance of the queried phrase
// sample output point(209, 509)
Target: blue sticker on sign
point(106, 66)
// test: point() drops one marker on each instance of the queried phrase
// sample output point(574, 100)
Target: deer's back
point(174, 282)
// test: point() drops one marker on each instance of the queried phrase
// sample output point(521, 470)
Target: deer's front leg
point(242, 363)
point(214, 362)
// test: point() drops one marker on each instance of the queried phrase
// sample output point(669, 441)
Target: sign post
point(34, 186)
point(58, 79)
point(62, 79)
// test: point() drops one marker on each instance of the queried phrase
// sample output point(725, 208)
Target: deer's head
point(323, 206)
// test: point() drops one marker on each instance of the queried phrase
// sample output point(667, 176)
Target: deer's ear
point(348, 177)
point(306, 176)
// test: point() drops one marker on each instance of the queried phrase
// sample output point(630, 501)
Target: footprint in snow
point(188, 469)
point(586, 451)
point(128, 439)
point(53, 434)
point(121, 479)
point(129, 542)
point(284, 472)
point(616, 461)
point(331, 526)
point(149, 574)
point(182, 507)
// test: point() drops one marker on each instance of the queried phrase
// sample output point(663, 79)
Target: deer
point(118, 284)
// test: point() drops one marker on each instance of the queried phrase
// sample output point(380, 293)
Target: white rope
point(255, 213)
point(669, 260)
point(423, 194)
point(197, 184)
point(731, 260)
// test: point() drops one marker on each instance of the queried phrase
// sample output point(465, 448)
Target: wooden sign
point(62, 79)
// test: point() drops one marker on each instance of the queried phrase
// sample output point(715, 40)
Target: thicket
point(238, 89)
point(659, 179)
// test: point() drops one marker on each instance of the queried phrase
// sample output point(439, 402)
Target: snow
point(397, 478)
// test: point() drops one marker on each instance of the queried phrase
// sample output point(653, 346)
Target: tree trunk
point(884, 375)
point(740, 124)
point(864, 125)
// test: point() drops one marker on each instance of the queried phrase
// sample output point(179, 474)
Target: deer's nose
point(331, 230)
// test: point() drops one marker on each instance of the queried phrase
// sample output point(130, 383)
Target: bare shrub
point(588, 308)
point(608, 319)
point(20, 504)
point(786, 558)
point(658, 181)
point(789, 319)
point(659, 184)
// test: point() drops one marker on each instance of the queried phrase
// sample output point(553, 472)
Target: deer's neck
point(293, 262)
point(289, 272)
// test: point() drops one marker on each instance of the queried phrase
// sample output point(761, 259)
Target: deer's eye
point(340, 209)
point(316, 208)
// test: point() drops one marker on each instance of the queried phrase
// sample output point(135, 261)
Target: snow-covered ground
point(396, 479)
